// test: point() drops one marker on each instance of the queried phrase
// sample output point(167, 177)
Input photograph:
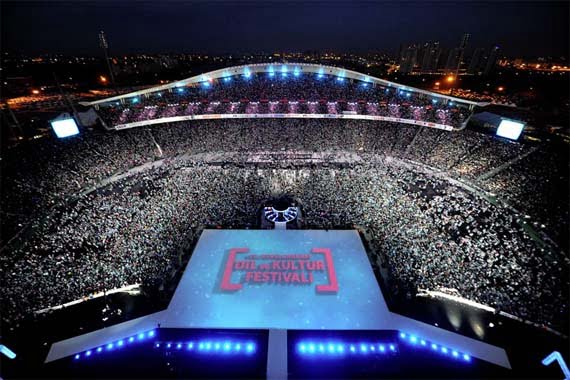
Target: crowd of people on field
point(432, 233)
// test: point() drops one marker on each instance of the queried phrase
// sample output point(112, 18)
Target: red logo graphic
point(295, 269)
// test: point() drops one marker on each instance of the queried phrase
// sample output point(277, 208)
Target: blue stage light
point(227, 79)
point(312, 348)
point(208, 346)
point(120, 343)
point(206, 84)
point(392, 347)
point(372, 348)
point(302, 348)
point(227, 346)
point(99, 349)
point(340, 79)
point(296, 72)
point(434, 346)
point(135, 100)
point(250, 347)
point(180, 90)
point(466, 357)
point(141, 336)
point(217, 346)
point(413, 339)
point(450, 103)
point(179, 346)
point(363, 348)
point(434, 101)
point(76, 356)
point(423, 342)
point(331, 348)
point(455, 354)
point(237, 347)
point(321, 348)
point(402, 335)
point(364, 84)
point(381, 348)
point(201, 346)
point(88, 353)
point(151, 333)
point(159, 94)
point(157, 345)
point(131, 339)
point(110, 346)
point(352, 348)
point(168, 345)
point(340, 348)
point(444, 350)
point(271, 74)
point(408, 95)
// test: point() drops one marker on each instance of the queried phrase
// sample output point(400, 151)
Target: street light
point(103, 79)
point(450, 79)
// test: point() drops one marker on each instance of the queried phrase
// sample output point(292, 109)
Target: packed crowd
point(261, 94)
point(434, 234)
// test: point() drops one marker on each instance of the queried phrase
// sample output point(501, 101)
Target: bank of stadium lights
point(421, 343)
point(321, 73)
point(345, 349)
point(116, 345)
point(212, 347)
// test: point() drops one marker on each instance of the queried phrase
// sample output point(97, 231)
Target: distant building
point(491, 60)
point(408, 59)
point(430, 57)
point(478, 61)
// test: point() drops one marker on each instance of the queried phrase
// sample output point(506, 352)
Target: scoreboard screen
point(510, 129)
point(64, 128)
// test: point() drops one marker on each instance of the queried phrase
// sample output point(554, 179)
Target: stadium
point(285, 220)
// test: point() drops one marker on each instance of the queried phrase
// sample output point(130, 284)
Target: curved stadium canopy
point(284, 68)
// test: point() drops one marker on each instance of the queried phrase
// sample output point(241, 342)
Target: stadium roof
point(280, 68)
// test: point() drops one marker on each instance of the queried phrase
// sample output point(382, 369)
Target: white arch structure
point(279, 69)
point(289, 68)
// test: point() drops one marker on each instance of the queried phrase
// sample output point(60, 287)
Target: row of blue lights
point(117, 344)
point(209, 346)
point(336, 348)
point(416, 341)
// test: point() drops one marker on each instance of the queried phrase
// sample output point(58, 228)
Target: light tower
point(103, 44)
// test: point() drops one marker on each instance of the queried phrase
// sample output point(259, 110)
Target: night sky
point(519, 28)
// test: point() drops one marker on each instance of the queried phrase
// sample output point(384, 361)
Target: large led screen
point(510, 129)
point(64, 128)
point(288, 279)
